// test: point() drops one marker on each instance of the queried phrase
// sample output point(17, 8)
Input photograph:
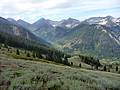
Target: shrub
point(116, 68)
point(71, 63)
point(28, 54)
point(104, 68)
point(80, 65)
point(17, 52)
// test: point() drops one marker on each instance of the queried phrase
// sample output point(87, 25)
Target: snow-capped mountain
point(118, 21)
point(96, 36)
point(68, 23)
point(107, 21)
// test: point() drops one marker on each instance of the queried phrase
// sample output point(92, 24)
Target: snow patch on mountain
point(119, 37)
point(54, 25)
point(104, 30)
point(111, 35)
point(107, 21)
point(68, 25)
point(118, 20)
point(75, 25)
point(102, 22)
point(117, 41)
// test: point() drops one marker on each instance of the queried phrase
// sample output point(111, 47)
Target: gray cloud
point(30, 9)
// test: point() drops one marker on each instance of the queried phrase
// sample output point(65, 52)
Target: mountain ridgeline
point(96, 36)
point(14, 35)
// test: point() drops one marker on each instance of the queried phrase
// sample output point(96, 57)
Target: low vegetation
point(27, 70)
point(19, 74)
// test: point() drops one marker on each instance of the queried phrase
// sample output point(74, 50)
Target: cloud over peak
point(57, 9)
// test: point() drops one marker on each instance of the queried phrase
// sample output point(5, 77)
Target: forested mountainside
point(96, 36)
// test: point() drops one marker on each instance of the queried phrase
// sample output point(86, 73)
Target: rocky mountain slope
point(99, 36)
point(11, 28)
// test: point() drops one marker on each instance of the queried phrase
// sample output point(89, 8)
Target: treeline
point(90, 60)
point(37, 48)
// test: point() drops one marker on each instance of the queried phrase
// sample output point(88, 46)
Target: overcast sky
point(32, 10)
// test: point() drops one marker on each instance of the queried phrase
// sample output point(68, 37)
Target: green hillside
point(21, 69)
point(19, 74)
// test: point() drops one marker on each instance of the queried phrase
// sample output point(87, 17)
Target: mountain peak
point(11, 19)
point(19, 20)
point(70, 18)
point(22, 21)
point(42, 19)
point(3, 20)
point(109, 17)
point(107, 21)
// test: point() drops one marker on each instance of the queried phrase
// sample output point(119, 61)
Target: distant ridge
point(99, 36)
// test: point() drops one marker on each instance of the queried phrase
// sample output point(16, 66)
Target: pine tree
point(0, 46)
point(116, 68)
point(80, 65)
point(38, 54)
point(105, 68)
point(71, 63)
point(28, 54)
point(17, 52)
point(66, 61)
point(108, 69)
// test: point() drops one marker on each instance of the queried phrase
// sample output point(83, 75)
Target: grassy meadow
point(19, 72)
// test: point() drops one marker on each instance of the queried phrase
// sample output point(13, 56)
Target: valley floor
point(17, 74)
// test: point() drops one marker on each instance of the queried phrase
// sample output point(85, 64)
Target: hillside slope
point(21, 74)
